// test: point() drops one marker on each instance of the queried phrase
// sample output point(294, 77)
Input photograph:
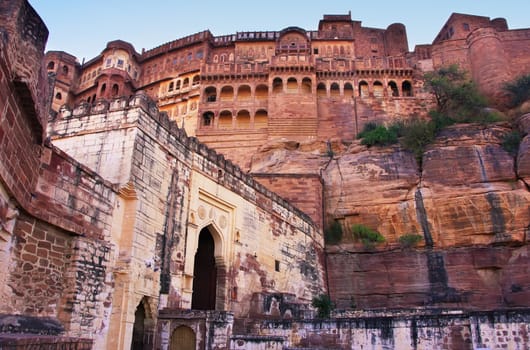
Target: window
point(58, 96)
point(277, 265)
point(65, 70)
point(51, 65)
point(406, 88)
point(109, 62)
point(207, 119)
point(466, 26)
point(315, 51)
point(171, 86)
point(120, 63)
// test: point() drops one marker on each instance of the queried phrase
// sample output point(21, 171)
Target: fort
point(179, 198)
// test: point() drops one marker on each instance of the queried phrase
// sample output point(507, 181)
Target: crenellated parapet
point(176, 44)
point(105, 115)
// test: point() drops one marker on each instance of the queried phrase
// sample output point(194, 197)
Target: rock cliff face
point(469, 202)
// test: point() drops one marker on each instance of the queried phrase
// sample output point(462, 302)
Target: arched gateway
point(204, 273)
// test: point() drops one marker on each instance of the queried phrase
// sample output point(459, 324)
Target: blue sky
point(83, 28)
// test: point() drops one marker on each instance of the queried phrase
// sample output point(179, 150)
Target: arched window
point(348, 90)
point(406, 88)
point(243, 119)
point(211, 94)
point(393, 87)
point(306, 85)
point(51, 65)
point(115, 90)
point(321, 90)
point(171, 86)
point(227, 93)
point(207, 119)
point(178, 85)
point(103, 88)
point(244, 93)
point(378, 89)
point(58, 96)
point(363, 89)
point(225, 120)
point(334, 90)
point(262, 92)
point(185, 83)
point(195, 81)
point(260, 119)
point(65, 70)
point(292, 85)
point(277, 85)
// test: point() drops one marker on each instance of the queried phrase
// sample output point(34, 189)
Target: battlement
point(176, 44)
point(223, 170)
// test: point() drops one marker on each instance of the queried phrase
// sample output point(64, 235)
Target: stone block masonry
point(120, 231)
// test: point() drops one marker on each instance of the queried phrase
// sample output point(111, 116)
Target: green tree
point(457, 97)
point(519, 90)
point(323, 305)
point(366, 235)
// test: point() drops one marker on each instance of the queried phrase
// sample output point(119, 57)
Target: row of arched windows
point(51, 66)
point(364, 89)
point(243, 93)
point(243, 119)
point(292, 85)
point(182, 83)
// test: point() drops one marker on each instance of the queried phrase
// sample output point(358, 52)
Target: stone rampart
point(73, 122)
point(399, 330)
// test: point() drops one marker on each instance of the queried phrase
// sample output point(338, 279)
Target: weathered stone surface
point(100, 238)
point(467, 195)
point(475, 278)
point(523, 155)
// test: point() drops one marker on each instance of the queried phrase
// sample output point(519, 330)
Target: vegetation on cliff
point(323, 304)
point(518, 90)
point(458, 101)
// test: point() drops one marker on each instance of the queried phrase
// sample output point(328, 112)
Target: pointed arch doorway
point(143, 327)
point(204, 273)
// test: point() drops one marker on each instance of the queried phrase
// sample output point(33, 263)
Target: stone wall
point(48, 201)
point(403, 330)
point(173, 188)
point(302, 190)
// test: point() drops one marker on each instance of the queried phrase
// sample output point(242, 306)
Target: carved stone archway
point(209, 272)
